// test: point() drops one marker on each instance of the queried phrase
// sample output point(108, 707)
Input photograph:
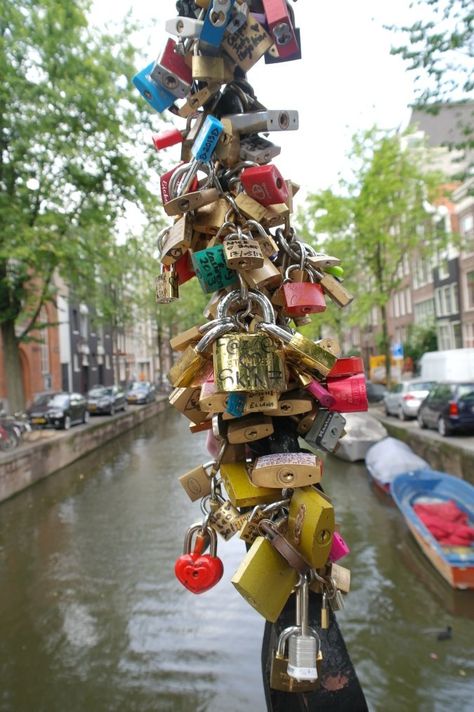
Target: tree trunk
point(159, 343)
point(386, 346)
point(12, 366)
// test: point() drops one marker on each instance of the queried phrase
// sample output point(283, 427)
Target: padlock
point(190, 201)
point(201, 150)
point(265, 579)
point(239, 15)
point(280, 27)
point(257, 149)
point(194, 365)
point(304, 644)
point(316, 389)
point(330, 344)
point(211, 400)
point(347, 366)
point(293, 557)
point(350, 393)
point(249, 428)
point(211, 269)
point(273, 56)
point(167, 138)
point(268, 120)
point(217, 18)
point(341, 577)
point(186, 401)
point(292, 403)
point(242, 252)
point(311, 525)
point(265, 240)
point(227, 520)
point(260, 402)
point(186, 338)
point(228, 149)
point(165, 181)
point(184, 269)
point(235, 404)
point(279, 678)
point(267, 216)
point(200, 427)
point(199, 572)
point(155, 94)
point(334, 289)
point(267, 276)
point(166, 286)
point(301, 298)
point(302, 351)
point(326, 430)
point(306, 421)
point(339, 548)
point(321, 260)
point(239, 488)
point(197, 482)
point(171, 71)
point(184, 27)
point(208, 69)
point(176, 240)
point(286, 469)
point(210, 218)
point(265, 184)
point(248, 44)
point(197, 99)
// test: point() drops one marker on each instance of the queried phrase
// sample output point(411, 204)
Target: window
point(443, 268)
point(470, 290)
point(408, 301)
point(421, 273)
point(396, 305)
point(447, 300)
point(468, 339)
point(467, 225)
point(402, 303)
point(424, 311)
point(76, 363)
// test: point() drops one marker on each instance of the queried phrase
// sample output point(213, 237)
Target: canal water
point(93, 620)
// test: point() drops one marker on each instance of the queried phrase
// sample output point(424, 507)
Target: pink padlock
point(213, 444)
point(350, 393)
point(321, 394)
point(339, 548)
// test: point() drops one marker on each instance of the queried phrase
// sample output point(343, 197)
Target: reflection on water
point(92, 618)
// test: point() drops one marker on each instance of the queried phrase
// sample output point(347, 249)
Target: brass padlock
point(280, 680)
point(242, 252)
point(265, 579)
point(239, 488)
point(302, 351)
point(334, 289)
point(227, 151)
point(208, 69)
point(286, 469)
point(197, 99)
point(166, 285)
point(248, 44)
point(211, 400)
point(190, 201)
point(259, 402)
point(249, 428)
point(306, 421)
point(209, 219)
point(193, 366)
point(270, 216)
point(196, 482)
point(227, 520)
point(311, 525)
point(186, 401)
point(248, 362)
point(266, 276)
point(176, 240)
point(186, 338)
point(293, 403)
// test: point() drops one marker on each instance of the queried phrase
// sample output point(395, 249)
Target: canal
point(93, 620)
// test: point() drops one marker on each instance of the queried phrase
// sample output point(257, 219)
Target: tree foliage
point(69, 122)
point(373, 221)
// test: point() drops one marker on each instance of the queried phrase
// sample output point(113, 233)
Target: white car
point(404, 399)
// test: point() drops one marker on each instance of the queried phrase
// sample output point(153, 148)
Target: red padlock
point(183, 268)
point(199, 572)
point(301, 298)
point(264, 184)
point(166, 138)
point(281, 27)
point(350, 393)
point(172, 72)
point(347, 366)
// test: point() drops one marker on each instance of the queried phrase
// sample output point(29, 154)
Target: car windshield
point(55, 400)
point(466, 391)
point(138, 386)
point(100, 391)
point(425, 386)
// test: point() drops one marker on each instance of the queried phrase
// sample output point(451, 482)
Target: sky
point(346, 80)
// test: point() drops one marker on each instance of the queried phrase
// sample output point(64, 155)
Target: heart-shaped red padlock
point(199, 572)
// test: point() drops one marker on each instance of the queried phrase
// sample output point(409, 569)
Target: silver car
point(404, 399)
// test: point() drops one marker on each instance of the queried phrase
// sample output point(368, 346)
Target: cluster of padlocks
point(268, 396)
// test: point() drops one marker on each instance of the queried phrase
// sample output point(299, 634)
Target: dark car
point(58, 410)
point(106, 399)
point(141, 392)
point(449, 408)
point(375, 392)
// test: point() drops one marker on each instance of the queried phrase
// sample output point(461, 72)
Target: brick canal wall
point(448, 455)
point(29, 463)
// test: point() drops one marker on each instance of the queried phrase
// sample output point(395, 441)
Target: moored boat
point(391, 457)
point(417, 493)
point(362, 431)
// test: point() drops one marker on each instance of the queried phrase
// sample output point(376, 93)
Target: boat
point(391, 457)
point(362, 431)
point(430, 488)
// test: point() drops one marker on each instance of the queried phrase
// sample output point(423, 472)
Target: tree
point(441, 49)
point(373, 221)
point(69, 121)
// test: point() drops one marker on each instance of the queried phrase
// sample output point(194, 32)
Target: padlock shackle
point(214, 333)
point(258, 298)
point(196, 529)
point(278, 332)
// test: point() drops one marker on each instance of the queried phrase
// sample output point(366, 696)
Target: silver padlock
point(304, 645)
point(271, 120)
point(326, 430)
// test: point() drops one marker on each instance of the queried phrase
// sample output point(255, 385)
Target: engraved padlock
point(301, 350)
point(166, 286)
point(186, 401)
point(247, 44)
point(286, 469)
point(350, 393)
point(248, 362)
point(242, 252)
point(212, 270)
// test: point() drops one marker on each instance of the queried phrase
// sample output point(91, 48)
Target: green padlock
point(212, 270)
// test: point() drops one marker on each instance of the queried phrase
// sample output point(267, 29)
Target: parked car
point(141, 392)
point(449, 408)
point(375, 392)
point(58, 410)
point(404, 399)
point(106, 399)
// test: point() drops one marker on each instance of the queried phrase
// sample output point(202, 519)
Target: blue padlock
point(235, 404)
point(202, 150)
point(217, 18)
point(155, 94)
